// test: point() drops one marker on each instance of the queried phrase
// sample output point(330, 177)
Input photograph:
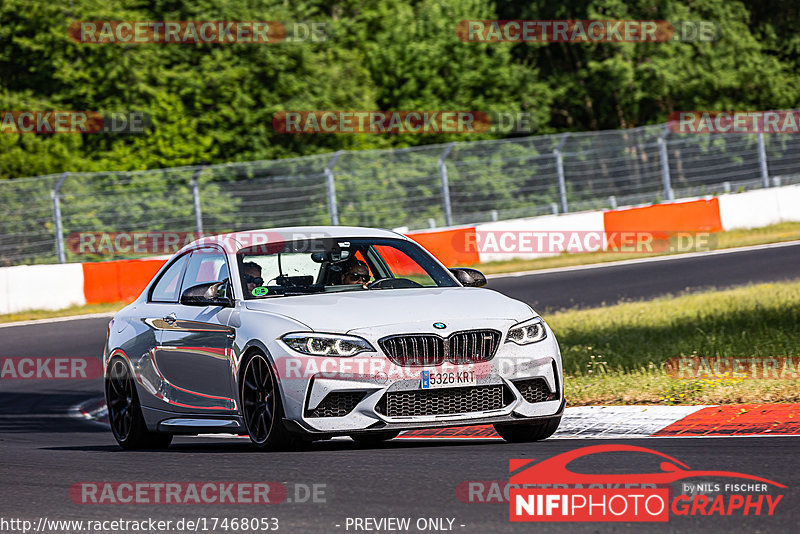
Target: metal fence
point(419, 187)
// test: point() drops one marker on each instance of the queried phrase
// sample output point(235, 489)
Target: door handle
point(170, 319)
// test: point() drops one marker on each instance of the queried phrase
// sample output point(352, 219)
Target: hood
point(345, 311)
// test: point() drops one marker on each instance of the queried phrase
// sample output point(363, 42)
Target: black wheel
point(374, 438)
point(262, 409)
point(125, 412)
point(522, 433)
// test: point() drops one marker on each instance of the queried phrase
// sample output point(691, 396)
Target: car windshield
point(329, 265)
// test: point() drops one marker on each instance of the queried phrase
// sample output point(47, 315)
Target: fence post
point(57, 218)
point(331, 186)
point(666, 181)
point(762, 160)
point(562, 182)
point(198, 213)
point(446, 206)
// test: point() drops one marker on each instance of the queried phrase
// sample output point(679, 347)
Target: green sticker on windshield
point(259, 291)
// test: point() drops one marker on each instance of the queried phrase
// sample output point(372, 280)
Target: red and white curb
point(595, 422)
point(619, 422)
point(606, 422)
point(94, 410)
point(634, 422)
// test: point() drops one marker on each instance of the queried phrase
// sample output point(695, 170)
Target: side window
point(167, 287)
point(205, 265)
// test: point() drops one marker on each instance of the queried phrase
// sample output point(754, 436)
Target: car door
point(194, 353)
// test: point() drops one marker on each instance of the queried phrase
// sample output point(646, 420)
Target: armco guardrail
point(123, 280)
point(421, 187)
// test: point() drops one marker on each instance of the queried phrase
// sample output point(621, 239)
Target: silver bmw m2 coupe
point(292, 335)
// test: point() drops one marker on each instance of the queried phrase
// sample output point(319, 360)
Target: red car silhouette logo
point(554, 470)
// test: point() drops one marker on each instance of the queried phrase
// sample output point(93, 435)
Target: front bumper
point(302, 428)
point(366, 393)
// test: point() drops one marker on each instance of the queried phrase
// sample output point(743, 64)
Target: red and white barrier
point(51, 287)
point(41, 287)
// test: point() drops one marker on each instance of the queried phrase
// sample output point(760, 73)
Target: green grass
point(616, 354)
point(66, 312)
point(734, 238)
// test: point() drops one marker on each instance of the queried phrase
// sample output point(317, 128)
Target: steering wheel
point(392, 283)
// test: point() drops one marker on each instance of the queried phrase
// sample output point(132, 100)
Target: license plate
point(447, 379)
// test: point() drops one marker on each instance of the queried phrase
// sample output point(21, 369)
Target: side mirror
point(469, 277)
point(207, 294)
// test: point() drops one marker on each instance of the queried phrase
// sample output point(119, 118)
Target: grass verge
point(66, 312)
point(733, 238)
point(617, 354)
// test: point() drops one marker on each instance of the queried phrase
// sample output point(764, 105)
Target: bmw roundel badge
point(439, 325)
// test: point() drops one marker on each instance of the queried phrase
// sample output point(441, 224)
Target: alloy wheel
point(119, 390)
point(258, 399)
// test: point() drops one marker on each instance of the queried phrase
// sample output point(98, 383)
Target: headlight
point(527, 332)
point(327, 344)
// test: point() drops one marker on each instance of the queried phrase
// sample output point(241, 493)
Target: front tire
point(525, 433)
point(262, 409)
point(125, 411)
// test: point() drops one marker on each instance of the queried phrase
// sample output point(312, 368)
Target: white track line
point(670, 257)
point(58, 319)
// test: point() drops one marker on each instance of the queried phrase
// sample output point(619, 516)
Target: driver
point(251, 276)
point(355, 272)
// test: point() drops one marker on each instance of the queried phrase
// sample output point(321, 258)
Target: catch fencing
point(410, 188)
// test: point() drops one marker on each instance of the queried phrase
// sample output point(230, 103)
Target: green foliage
point(214, 104)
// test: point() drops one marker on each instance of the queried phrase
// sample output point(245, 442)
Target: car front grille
point(443, 401)
point(535, 390)
point(429, 349)
point(337, 404)
point(414, 349)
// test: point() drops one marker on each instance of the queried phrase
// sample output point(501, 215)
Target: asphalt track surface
point(43, 451)
point(644, 279)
